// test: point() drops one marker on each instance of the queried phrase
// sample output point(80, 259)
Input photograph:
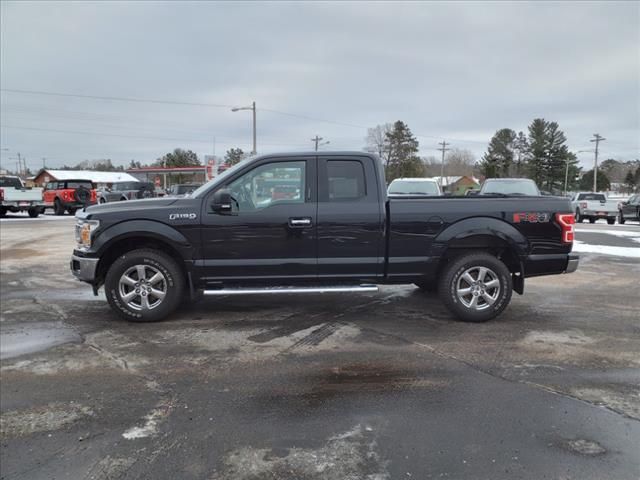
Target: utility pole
point(317, 140)
point(253, 108)
point(443, 149)
point(597, 138)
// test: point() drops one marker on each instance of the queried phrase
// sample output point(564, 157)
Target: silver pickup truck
point(15, 197)
point(592, 206)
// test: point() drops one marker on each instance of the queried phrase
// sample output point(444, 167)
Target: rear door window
point(346, 180)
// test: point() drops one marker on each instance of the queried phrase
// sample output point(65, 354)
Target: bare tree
point(459, 162)
point(377, 141)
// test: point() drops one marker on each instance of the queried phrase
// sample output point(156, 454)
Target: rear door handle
point(301, 222)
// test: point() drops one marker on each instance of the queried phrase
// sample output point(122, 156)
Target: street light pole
point(253, 108)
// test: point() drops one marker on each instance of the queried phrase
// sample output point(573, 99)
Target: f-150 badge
point(182, 216)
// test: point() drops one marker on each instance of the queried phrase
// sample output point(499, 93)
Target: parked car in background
point(629, 210)
point(68, 195)
point(182, 189)
point(15, 197)
point(413, 187)
point(510, 186)
point(592, 206)
point(126, 191)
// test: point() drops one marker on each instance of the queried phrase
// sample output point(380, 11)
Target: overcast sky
point(457, 71)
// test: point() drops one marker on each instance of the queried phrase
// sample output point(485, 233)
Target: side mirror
point(222, 202)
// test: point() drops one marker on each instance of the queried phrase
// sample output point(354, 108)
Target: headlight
point(84, 231)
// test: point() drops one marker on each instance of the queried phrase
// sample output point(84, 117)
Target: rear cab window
point(592, 196)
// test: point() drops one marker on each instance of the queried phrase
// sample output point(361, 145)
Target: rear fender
point(490, 233)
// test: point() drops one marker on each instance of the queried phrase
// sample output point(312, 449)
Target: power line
point(116, 99)
point(214, 105)
point(76, 132)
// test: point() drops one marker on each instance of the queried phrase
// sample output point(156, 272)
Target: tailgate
point(26, 195)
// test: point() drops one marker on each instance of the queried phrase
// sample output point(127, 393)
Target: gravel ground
point(376, 386)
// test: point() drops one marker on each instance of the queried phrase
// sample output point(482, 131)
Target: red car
point(68, 195)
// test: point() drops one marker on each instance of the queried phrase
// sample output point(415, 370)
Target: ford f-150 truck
point(338, 233)
point(592, 206)
point(15, 197)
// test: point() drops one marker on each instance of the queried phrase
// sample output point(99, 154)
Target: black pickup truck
point(298, 223)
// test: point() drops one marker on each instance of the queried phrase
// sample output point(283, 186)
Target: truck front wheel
point(476, 287)
point(144, 285)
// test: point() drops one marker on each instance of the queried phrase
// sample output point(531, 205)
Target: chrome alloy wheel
point(142, 287)
point(478, 288)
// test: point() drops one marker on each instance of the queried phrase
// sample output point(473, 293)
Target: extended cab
point(15, 197)
point(338, 232)
point(592, 206)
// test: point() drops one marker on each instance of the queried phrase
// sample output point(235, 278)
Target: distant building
point(166, 176)
point(458, 185)
point(46, 175)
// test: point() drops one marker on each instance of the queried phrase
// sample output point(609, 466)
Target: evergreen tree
point(603, 183)
point(233, 156)
point(630, 181)
point(403, 153)
point(498, 160)
point(178, 158)
point(537, 151)
point(520, 146)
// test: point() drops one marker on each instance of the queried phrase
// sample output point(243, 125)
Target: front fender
point(142, 229)
point(483, 226)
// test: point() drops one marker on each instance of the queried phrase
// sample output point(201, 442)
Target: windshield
point(220, 179)
point(120, 187)
point(510, 187)
point(10, 182)
point(413, 187)
point(592, 196)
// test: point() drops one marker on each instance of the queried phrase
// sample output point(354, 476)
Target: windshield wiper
point(495, 194)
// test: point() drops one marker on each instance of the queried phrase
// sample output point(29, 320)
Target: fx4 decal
point(535, 217)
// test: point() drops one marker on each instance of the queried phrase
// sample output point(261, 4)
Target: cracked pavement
point(376, 386)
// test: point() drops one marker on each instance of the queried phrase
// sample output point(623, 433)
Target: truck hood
point(115, 207)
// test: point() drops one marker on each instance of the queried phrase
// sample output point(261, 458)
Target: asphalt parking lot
point(376, 386)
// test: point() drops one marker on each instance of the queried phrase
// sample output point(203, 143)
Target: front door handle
point(299, 222)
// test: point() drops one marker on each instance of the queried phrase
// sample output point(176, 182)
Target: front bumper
point(84, 268)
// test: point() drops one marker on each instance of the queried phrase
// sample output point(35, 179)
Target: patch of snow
point(150, 427)
point(630, 252)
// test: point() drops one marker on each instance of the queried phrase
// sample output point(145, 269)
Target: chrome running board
point(273, 290)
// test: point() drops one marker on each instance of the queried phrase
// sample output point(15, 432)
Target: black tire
point(34, 212)
point(427, 286)
point(621, 218)
point(102, 201)
point(452, 275)
point(152, 260)
point(579, 218)
point(592, 220)
point(58, 208)
point(3, 212)
point(611, 221)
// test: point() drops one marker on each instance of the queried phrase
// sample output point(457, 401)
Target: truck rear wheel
point(476, 287)
point(34, 212)
point(611, 221)
point(144, 285)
